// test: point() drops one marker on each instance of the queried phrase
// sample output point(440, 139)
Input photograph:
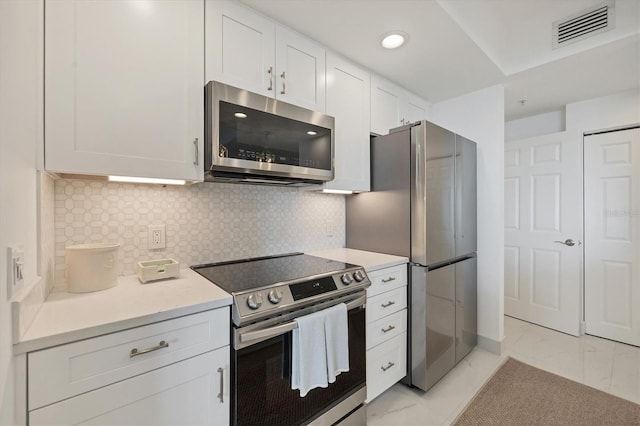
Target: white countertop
point(369, 260)
point(66, 317)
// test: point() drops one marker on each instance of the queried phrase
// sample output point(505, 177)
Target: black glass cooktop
point(241, 275)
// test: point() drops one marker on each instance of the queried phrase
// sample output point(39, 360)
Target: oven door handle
point(279, 329)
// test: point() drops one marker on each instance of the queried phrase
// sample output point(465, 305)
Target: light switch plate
point(15, 270)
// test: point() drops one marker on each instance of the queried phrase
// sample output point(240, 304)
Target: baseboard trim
point(491, 345)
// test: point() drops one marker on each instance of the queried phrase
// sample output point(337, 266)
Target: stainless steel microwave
point(250, 138)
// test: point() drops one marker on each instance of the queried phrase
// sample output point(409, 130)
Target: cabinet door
point(349, 102)
point(413, 109)
point(193, 392)
point(385, 105)
point(123, 88)
point(300, 65)
point(240, 47)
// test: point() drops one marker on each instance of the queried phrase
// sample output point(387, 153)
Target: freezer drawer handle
point(136, 352)
point(388, 329)
point(389, 365)
point(389, 303)
point(388, 280)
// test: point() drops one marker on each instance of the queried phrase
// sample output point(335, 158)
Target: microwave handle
point(279, 329)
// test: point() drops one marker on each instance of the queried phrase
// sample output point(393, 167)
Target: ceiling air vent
point(584, 24)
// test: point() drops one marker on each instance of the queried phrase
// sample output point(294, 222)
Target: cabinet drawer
point(386, 303)
point(386, 328)
point(75, 368)
point(387, 279)
point(190, 392)
point(386, 365)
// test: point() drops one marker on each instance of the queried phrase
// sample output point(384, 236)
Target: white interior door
point(543, 210)
point(612, 235)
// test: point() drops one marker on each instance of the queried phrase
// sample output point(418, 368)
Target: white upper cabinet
point(300, 65)
point(392, 106)
point(124, 88)
point(385, 105)
point(348, 100)
point(240, 47)
point(413, 109)
point(247, 50)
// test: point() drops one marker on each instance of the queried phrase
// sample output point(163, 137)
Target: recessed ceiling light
point(312, 133)
point(240, 115)
point(393, 40)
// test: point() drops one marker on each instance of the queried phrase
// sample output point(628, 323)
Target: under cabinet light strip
point(131, 179)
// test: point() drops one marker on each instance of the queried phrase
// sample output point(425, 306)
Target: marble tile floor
point(606, 365)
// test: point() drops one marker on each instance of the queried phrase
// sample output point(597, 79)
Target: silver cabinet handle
point(388, 280)
point(195, 144)
point(389, 303)
point(270, 72)
point(136, 352)
point(389, 365)
point(221, 394)
point(284, 82)
point(388, 329)
point(568, 242)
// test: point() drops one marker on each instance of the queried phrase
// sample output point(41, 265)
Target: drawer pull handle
point(389, 303)
point(388, 366)
point(136, 352)
point(388, 329)
point(221, 394)
point(388, 280)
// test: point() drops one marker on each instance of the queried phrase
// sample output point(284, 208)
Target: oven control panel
point(260, 303)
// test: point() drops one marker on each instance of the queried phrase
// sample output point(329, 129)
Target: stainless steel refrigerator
point(422, 205)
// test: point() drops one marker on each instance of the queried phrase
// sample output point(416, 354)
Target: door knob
point(568, 242)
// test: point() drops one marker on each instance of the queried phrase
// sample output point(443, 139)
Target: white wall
point(618, 109)
point(615, 110)
point(20, 61)
point(536, 125)
point(479, 116)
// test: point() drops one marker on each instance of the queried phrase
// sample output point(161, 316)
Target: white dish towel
point(320, 348)
point(309, 354)
point(336, 331)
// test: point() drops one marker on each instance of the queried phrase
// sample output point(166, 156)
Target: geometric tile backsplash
point(205, 222)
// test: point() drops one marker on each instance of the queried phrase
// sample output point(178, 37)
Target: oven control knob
point(346, 279)
point(275, 296)
point(254, 301)
point(358, 276)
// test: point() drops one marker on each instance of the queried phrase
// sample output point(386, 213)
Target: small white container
point(92, 267)
point(158, 270)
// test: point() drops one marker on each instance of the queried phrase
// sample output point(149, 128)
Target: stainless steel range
point(269, 293)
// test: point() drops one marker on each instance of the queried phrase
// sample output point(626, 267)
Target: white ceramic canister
point(92, 267)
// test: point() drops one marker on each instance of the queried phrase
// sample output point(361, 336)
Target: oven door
point(262, 393)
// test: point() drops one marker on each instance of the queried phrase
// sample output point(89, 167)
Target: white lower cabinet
point(386, 365)
point(190, 392)
point(166, 373)
point(386, 329)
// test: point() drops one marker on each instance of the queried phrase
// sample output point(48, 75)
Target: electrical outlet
point(15, 270)
point(156, 237)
